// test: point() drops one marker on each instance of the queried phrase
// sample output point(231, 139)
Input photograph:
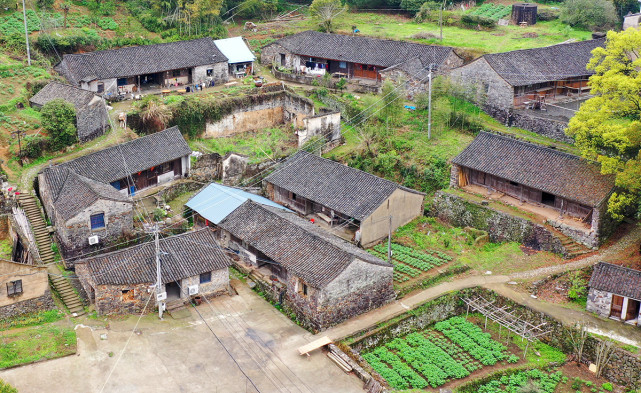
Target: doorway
point(548, 199)
point(173, 291)
point(617, 306)
point(632, 311)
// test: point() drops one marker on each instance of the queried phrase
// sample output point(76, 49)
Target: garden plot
point(452, 349)
point(409, 263)
point(492, 11)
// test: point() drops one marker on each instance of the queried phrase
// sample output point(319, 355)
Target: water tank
point(524, 12)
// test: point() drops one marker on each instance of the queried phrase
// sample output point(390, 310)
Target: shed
point(524, 12)
point(240, 57)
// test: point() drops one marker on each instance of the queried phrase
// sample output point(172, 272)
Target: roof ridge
point(88, 54)
point(497, 54)
point(370, 38)
point(620, 267)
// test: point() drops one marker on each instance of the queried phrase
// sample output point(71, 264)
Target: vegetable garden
point(409, 263)
point(492, 11)
point(452, 349)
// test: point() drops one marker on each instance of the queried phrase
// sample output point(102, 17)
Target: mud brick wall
point(42, 303)
point(502, 227)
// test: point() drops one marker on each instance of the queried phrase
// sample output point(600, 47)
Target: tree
point(155, 115)
point(607, 127)
point(625, 6)
point(578, 335)
point(603, 352)
point(45, 4)
point(589, 14)
point(59, 120)
point(6, 388)
point(326, 11)
point(65, 10)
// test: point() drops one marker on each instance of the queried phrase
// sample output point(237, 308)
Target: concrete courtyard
point(181, 354)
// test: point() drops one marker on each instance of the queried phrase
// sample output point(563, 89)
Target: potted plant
point(198, 300)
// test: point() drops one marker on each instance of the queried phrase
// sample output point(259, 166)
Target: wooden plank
point(305, 349)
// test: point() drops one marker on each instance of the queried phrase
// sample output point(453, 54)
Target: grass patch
point(32, 345)
point(38, 318)
point(6, 248)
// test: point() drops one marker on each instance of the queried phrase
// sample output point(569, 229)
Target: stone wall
point(551, 127)
point(208, 167)
point(109, 299)
point(177, 188)
point(326, 125)
point(42, 303)
point(502, 227)
point(480, 80)
point(599, 302)
point(261, 111)
point(219, 73)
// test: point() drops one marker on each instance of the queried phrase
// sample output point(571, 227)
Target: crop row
point(542, 382)
point(492, 11)
point(473, 340)
point(410, 376)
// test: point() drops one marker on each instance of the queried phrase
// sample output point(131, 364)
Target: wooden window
point(14, 288)
point(205, 278)
point(127, 295)
point(303, 289)
point(97, 221)
point(617, 306)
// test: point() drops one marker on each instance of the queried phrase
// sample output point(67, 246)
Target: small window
point(100, 88)
point(205, 278)
point(127, 295)
point(514, 183)
point(14, 288)
point(303, 288)
point(342, 64)
point(121, 81)
point(282, 59)
point(176, 73)
point(98, 221)
point(210, 72)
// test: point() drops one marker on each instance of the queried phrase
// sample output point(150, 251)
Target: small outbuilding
point(524, 13)
point(24, 289)
point(615, 293)
point(240, 58)
point(356, 204)
point(191, 265)
point(92, 118)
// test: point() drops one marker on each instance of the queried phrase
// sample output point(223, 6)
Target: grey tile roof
point(187, 255)
point(139, 60)
point(364, 50)
point(615, 279)
point(347, 190)
point(304, 249)
point(120, 161)
point(78, 192)
point(550, 63)
point(535, 166)
point(92, 117)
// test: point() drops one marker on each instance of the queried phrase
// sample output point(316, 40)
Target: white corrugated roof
point(235, 50)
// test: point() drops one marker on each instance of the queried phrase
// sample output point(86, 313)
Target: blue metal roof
point(216, 201)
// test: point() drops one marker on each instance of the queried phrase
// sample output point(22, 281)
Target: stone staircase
point(43, 240)
point(573, 248)
point(38, 226)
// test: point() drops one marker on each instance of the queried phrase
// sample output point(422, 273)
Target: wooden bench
point(324, 217)
point(307, 348)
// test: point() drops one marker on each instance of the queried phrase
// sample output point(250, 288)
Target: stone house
point(537, 89)
point(354, 204)
point(136, 68)
point(120, 282)
point(569, 192)
point(23, 289)
point(323, 279)
point(632, 20)
point(88, 199)
point(92, 118)
point(240, 58)
point(615, 293)
point(356, 57)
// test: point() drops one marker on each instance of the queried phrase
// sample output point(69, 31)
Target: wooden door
point(633, 310)
point(617, 306)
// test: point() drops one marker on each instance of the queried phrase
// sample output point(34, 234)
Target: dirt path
point(398, 307)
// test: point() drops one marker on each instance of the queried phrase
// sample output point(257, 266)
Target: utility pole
point(19, 134)
point(429, 104)
point(389, 242)
point(160, 296)
point(26, 33)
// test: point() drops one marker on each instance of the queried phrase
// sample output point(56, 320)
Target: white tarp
point(235, 50)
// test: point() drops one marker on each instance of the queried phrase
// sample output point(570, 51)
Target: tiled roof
point(550, 63)
point(301, 247)
point(364, 50)
point(139, 60)
point(185, 255)
point(615, 279)
point(78, 192)
point(120, 161)
point(347, 190)
point(538, 167)
point(91, 110)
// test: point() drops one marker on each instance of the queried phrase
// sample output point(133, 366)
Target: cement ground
point(183, 355)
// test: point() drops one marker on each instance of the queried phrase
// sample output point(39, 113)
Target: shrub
point(6, 388)
point(589, 14)
point(607, 386)
point(34, 145)
point(474, 21)
point(59, 120)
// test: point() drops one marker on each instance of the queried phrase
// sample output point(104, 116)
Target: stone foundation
point(501, 227)
point(553, 128)
point(599, 302)
point(42, 303)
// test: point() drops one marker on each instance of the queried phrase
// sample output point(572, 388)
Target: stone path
point(398, 307)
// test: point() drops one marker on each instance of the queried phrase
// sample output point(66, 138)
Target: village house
point(88, 199)
point(24, 289)
point(568, 191)
point(632, 20)
point(323, 279)
point(615, 293)
point(92, 118)
point(148, 67)
point(215, 202)
point(549, 82)
point(240, 58)
point(354, 57)
point(351, 203)
point(191, 265)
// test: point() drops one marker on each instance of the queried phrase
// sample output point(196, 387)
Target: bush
point(427, 12)
point(547, 15)
point(6, 388)
point(589, 14)
point(34, 145)
point(59, 120)
point(474, 21)
point(607, 386)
